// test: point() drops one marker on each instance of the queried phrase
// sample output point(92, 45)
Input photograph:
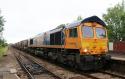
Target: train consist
point(82, 44)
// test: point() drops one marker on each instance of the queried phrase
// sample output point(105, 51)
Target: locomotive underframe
point(72, 57)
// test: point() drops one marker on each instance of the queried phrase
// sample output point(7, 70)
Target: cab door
point(71, 41)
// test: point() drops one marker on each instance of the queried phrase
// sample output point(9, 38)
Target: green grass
point(3, 51)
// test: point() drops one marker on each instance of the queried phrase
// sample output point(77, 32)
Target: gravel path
point(9, 65)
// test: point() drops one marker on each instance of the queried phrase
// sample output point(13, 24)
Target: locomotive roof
point(89, 19)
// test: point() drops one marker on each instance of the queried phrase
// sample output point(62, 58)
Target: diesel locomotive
point(81, 44)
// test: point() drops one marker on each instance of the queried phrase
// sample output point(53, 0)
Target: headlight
point(85, 50)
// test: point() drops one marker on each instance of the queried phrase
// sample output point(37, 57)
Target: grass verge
point(3, 51)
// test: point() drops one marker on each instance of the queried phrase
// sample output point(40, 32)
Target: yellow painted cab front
point(93, 39)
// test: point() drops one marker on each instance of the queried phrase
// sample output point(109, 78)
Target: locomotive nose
point(95, 46)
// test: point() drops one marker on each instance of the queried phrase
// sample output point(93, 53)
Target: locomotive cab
point(89, 37)
point(94, 39)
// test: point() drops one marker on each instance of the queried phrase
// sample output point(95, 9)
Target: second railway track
point(105, 75)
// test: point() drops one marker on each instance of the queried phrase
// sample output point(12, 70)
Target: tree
point(115, 20)
point(3, 43)
point(1, 29)
point(79, 18)
point(1, 22)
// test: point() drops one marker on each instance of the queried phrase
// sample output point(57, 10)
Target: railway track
point(106, 75)
point(30, 76)
point(87, 75)
point(35, 70)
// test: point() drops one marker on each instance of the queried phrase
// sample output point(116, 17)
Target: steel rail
point(115, 75)
point(89, 75)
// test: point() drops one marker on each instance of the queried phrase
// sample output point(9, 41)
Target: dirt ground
point(9, 63)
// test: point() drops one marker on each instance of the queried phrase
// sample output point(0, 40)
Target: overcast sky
point(26, 18)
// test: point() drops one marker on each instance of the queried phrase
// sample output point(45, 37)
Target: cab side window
point(73, 32)
point(31, 41)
